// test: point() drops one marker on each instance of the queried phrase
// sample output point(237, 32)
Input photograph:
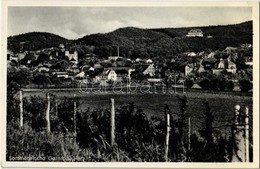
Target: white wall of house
point(188, 70)
point(150, 70)
point(72, 56)
point(112, 75)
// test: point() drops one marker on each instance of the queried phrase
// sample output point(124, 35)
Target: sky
point(76, 22)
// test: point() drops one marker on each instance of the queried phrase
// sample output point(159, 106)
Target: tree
point(110, 82)
point(43, 57)
point(16, 79)
point(229, 85)
point(179, 130)
point(204, 83)
point(207, 125)
point(42, 79)
point(189, 83)
point(245, 85)
point(20, 77)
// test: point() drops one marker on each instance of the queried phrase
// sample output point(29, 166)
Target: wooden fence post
point(247, 134)
point(238, 153)
point(47, 114)
point(74, 118)
point(167, 137)
point(56, 107)
point(112, 122)
point(189, 134)
point(21, 108)
point(237, 115)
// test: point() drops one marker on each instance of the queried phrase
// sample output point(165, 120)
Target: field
point(222, 105)
point(80, 129)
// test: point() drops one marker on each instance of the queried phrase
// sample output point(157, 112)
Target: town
point(63, 67)
point(131, 84)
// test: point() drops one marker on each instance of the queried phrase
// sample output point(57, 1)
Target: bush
point(189, 83)
point(229, 85)
point(205, 83)
point(138, 137)
point(245, 85)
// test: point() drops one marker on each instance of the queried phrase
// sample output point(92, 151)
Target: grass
point(222, 105)
point(97, 121)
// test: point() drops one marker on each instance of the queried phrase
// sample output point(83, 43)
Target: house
point(61, 74)
point(43, 69)
point(113, 73)
point(146, 69)
point(138, 60)
point(230, 49)
point(191, 54)
point(80, 75)
point(246, 46)
point(10, 54)
point(196, 86)
point(62, 47)
point(98, 66)
point(91, 69)
point(110, 58)
point(194, 68)
point(195, 33)
point(225, 64)
point(61, 65)
point(149, 61)
point(188, 69)
point(73, 56)
point(211, 55)
point(150, 70)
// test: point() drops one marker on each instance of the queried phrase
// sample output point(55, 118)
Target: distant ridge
point(160, 41)
point(35, 41)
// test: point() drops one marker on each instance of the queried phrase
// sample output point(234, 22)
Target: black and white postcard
point(130, 84)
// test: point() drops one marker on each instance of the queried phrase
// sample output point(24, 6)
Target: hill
point(34, 41)
point(136, 42)
point(168, 41)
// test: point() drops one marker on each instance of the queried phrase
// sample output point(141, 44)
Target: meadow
point(84, 134)
point(222, 105)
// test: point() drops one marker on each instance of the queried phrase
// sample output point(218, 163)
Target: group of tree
point(140, 43)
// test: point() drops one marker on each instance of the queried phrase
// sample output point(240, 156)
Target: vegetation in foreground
point(138, 137)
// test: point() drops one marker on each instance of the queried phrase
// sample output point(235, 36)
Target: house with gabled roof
point(113, 73)
point(225, 64)
point(194, 68)
point(73, 56)
point(146, 69)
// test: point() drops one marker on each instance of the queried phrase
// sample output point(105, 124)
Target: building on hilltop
point(195, 33)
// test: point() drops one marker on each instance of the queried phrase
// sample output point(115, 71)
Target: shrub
point(189, 83)
point(205, 83)
point(245, 85)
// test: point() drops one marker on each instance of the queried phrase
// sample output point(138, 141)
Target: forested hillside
point(144, 43)
point(34, 41)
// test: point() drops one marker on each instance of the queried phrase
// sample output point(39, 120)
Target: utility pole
point(118, 51)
